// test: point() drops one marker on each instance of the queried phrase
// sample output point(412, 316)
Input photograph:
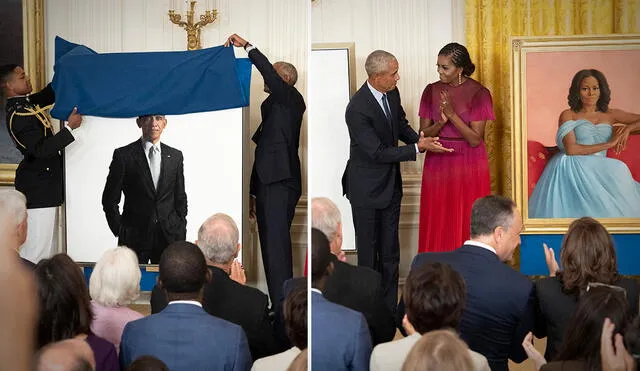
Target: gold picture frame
point(34, 63)
point(351, 51)
point(529, 56)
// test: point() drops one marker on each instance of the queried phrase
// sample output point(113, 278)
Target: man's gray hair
point(13, 207)
point(288, 70)
point(378, 62)
point(218, 238)
point(325, 216)
point(491, 212)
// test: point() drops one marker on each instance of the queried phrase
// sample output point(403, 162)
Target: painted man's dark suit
point(151, 219)
point(275, 178)
point(373, 184)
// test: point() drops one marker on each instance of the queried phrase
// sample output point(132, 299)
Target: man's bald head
point(66, 355)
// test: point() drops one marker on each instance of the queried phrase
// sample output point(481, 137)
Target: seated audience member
point(184, 336)
point(18, 309)
point(587, 255)
point(300, 362)
point(295, 317)
point(13, 205)
point(357, 288)
point(339, 335)
point(440, 350)
point(499, 308)
point(66, 355)
point(225, 295)
point(580, 349)
point(434, 297)
point(114, 284)
point(65, 309)
point(148, 363)
point(279, 325)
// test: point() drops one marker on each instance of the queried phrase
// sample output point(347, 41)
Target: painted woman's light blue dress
point(585, 185)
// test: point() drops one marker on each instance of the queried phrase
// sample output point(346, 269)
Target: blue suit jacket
point(500, 304)
point(186, 338)
point(340, 337)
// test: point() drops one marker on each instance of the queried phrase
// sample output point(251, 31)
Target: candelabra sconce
point(193, 29)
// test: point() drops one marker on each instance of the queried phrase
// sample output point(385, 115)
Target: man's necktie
point(387, 111)
point(154, 164)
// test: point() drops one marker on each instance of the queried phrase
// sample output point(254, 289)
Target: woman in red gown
point(456, 109)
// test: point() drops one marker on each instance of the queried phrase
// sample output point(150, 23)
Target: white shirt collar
point(481, 244)
point(376, 94)
point(192, 302)
point(316, 290)
point(147, 144)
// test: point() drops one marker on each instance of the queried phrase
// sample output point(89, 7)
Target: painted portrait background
point(548, 79)
point(11, 44)
point(546, 86)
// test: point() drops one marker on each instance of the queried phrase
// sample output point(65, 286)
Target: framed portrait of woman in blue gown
point(22, 42)
point(576, 131)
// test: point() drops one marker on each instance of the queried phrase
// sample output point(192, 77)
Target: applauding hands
point(431, 144)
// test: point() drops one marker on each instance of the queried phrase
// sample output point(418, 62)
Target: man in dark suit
point(226, 296)
point(339, 336)
point(39, 175)
point(357, 288)
point(184, 336)
point(151, 176)
point(372, 180)
point(500, 301)
point(276, 182)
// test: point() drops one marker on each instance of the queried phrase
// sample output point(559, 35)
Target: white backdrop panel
point(211, 143)
point(329, 140)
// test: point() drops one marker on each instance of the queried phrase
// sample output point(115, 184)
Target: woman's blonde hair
point(115, 280)
point(440, 350)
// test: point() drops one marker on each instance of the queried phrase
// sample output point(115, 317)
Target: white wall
point(277, 27)
point(414, 31)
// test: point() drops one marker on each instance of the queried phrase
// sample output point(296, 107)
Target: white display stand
point(331, 84)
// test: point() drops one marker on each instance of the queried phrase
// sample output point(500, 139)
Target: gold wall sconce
point(193, 28)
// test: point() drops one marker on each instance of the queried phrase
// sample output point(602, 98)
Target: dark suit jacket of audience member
point(278, 309)
point(500, 303)
point(243, 305)
point(186, 338)
point(360, 289)
point(555, 308)
point(340, 338)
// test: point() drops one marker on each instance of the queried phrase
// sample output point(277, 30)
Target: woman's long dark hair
point(65, 305)
point(582, 339)
point(587, 255)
